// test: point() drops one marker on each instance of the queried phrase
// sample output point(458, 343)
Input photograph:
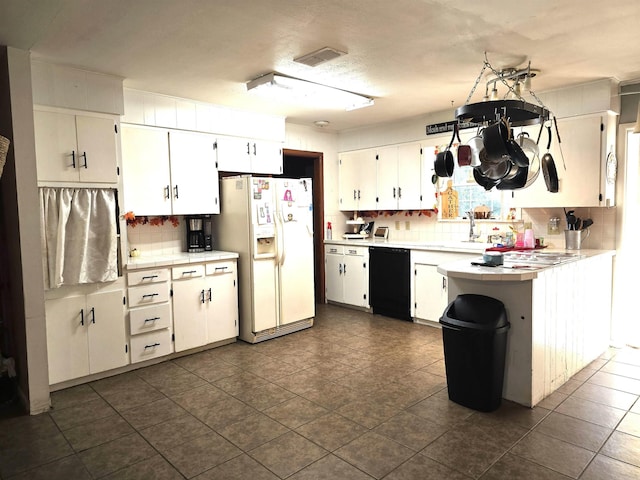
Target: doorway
point(304, 164)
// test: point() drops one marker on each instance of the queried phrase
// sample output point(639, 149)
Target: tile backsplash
point(157, 239)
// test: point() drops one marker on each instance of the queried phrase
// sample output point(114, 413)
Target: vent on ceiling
point(314, 59)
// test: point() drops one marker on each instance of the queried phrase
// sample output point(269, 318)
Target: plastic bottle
point(329, 232)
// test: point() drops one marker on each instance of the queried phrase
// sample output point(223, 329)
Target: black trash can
point(474, 333)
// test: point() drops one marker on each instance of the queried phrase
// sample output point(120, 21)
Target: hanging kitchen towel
point(79, 235)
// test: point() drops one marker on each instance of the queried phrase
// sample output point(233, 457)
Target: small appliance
point(195, 235)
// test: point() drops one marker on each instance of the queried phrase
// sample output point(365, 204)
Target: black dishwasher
point(389, 288)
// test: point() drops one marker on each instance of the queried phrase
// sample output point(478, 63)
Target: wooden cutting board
point(449, 202)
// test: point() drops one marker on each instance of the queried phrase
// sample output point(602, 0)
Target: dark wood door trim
point(318, 215)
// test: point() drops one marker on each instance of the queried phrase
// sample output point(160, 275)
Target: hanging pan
point(549, 167)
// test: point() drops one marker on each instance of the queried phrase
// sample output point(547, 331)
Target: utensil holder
point(573, 238)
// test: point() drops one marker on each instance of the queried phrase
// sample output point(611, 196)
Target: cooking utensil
point(476, 146)
point(444, 163)
point(516, 154)
point(495, 170)
point(486, 183)
point(530, 148)
point(516, 179)
point(578, 224)
point(495, 138)
point(464, 155)
point(549, 167)
point(555, 123)
point(586, 223)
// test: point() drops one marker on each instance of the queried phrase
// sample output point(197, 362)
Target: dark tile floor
point(357, 396)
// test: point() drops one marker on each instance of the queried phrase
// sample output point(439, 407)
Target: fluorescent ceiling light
point(294, 90)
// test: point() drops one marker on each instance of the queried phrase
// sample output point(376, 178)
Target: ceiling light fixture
point(295, 90)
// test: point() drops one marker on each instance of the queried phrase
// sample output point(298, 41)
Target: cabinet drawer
point(335, 249)
point(144, 277)
point(148, 319)
point(219, 268)
point(188, 271)
point(148, 294)
point(150, 345)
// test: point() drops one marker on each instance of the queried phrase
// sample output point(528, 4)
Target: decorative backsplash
point(157, 239)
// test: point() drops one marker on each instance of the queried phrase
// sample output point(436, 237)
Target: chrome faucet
point(472, 223)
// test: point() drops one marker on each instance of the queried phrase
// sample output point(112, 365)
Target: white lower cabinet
point(85, 334)
point(205, 304)
point(431, 292)
point(347, 275)
point(149, 314)
point(429, 287)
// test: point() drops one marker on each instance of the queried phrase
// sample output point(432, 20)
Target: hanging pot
point(495, 170)
point(444, 163)
point(517, 156)
point(476, 146)
point(464, 155)
point(495, 138)
point(516, 179)
point(483, 181)
point(531, 150)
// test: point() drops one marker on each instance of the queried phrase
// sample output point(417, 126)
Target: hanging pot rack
point(517, 109)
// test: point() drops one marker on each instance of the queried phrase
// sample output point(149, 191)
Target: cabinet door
point(194, 176)
point(428, 188)
point(190, 299)
point(334, 285)
point(266, 157)
point(106, 330)
point(56, 146)
point(355, 280)
point(387, 178)
point(97, 149)
point(67, 345)
point(430, 292)
point(145, 161)
point(357, 180)
point(409, 176)
point(579, 184)
point(222, 311)
point(234, 154)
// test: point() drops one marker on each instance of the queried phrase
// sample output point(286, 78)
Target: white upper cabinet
point(398, 177)
point(586, 142)
point(194, 176)
point(245, 155)
point(169, 172)
point(357, 180)
point(75, 148)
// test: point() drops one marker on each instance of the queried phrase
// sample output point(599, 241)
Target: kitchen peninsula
point(559, 307)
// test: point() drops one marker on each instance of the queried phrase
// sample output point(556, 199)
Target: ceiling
point(413, 56)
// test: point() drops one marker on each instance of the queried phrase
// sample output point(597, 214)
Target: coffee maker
point(199, 233)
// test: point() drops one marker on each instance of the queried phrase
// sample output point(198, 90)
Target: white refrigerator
point(269, 222)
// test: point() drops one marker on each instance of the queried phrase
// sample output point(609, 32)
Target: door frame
point(318, 215)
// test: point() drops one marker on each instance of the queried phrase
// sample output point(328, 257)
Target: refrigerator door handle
point(280, 235)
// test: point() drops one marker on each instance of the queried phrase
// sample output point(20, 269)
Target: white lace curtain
point(79, 243)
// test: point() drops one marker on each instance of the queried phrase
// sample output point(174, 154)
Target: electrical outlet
point(397, 225)
point(407, 225)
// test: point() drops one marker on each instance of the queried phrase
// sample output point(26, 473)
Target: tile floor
point(357, 396)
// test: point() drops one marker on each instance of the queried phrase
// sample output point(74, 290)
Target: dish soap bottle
point(329, 231)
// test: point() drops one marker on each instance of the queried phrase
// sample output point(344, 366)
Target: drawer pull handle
point(151, 319)
point(221, 268)
point(149, 277)
point(189, 272)
point(153, 345)
point(146, 295)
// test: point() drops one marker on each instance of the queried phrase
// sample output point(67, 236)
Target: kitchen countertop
point(181, 258)
point(436, 245)
point(529, 270)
